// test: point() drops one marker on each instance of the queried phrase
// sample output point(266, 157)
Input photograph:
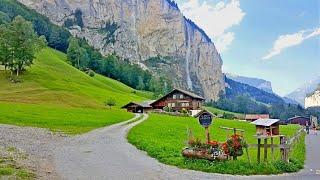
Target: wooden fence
point(284, 146)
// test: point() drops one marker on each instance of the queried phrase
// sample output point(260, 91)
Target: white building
point(313, 100)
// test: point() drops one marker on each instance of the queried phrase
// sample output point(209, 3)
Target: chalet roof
point(290, 119)
point(204, 111)
point(182, 91)
point(188, 93)
point(144, 104)
point(257, 116)
point(265, 122)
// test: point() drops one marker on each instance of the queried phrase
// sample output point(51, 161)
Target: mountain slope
point(235, 88)
point(55, 95)
point(300, 93)
point(255, 82)
point(140, 30)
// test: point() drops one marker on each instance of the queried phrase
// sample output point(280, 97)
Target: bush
point(228, 116)
point(110, 102)
point(90, 73)
point(292, 166)
point(184, 111)
point(167, 109)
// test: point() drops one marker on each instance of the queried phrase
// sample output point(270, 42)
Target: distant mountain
point(300, 94)
point(234, 88)
point(290, 101)
point(255, 82)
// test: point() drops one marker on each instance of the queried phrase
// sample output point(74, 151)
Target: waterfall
point(188, 36)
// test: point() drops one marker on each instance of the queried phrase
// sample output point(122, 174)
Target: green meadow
point(53, 94)
point(163, 137)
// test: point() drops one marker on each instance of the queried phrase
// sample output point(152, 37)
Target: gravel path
point(105, 154)
point(37, 144)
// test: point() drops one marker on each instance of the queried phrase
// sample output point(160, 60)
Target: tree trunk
point(17, 72)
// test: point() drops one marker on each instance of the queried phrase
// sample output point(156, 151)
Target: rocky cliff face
point(144, 29)
point(313, 100)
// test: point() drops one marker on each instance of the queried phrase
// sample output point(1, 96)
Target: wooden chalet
point(253, 117)
point(299, 120)
point(179, 99)
point(267, 127)
point(142, 107)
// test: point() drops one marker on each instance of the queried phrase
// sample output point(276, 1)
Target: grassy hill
point(55, 95)
point(221, 112)
point(163, 137)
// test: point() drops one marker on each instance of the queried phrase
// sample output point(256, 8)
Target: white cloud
point(288, 40)
point(215, 19)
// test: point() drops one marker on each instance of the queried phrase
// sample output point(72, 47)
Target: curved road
point(106, 154)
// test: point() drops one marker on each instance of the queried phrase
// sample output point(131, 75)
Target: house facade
point(179, 99)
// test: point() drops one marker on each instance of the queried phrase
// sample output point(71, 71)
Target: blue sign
point(205, 119)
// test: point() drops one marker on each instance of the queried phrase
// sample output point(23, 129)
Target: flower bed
point(213, 150)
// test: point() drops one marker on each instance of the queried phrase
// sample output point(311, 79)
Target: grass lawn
point(220, 111)
point(66, 119)
point(163, 137)
point(55, 95)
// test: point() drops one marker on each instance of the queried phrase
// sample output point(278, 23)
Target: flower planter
point(203, 154)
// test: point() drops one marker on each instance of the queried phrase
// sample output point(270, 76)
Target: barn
point(141, 107)
point(299, 120)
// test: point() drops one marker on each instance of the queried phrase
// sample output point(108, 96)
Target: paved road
point(106, 154)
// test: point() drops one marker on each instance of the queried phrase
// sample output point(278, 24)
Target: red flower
point(213, 143)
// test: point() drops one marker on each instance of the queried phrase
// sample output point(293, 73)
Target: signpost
point(205, 119)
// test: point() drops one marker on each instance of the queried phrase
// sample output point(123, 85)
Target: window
point(173, 104)
point(174, 96)
point(186, 104)
point(181, 96)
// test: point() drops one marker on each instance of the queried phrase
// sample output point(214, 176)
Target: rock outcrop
point(313, 100)
point(143, 29)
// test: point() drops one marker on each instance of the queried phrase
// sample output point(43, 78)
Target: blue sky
point(275, 40)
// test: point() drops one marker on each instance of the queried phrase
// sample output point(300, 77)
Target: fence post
point(265, 149)
point(258, 154)
point(272, 148)
point(284, 149)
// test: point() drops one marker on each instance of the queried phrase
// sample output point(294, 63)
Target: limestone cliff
point(313, 100)
point(140, 30)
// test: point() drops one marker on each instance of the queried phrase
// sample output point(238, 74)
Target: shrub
point(110, 102)
point(90, 73)
point(167, 109)
point(184, 111)
point(228, 116)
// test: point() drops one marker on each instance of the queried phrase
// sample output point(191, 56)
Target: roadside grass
point(9, 169)
point(163, 137)
point(56, 118)
point(55, 95)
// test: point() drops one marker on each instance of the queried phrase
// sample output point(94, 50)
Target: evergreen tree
point(141, 85)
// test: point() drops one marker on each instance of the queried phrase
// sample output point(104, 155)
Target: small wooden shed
point(267, 127)
point(135, 107)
